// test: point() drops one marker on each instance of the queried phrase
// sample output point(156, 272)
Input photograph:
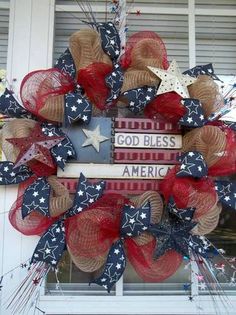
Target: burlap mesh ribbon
point(53, 109)
point(209, 140)
point(207, 91)
point(208, 222)
point(60, 200)
point(75, 236)
point(35, 223)
point(147, 52)
point(91, 264)
point(85, 47)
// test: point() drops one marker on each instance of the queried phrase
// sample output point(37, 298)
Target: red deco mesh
point(168, 105)
point(34, 224)
point(42, 169)
point(150, 270)
point(189, 192)
point(92, 79)
point(38, 86)
point(133, 40)
point(92, 232)
point(226, 165)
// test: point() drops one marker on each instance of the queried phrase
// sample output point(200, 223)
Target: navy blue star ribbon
point(203, 69)
point(185, 214)
point(226, 191)
point(36, 197)
point(192, 164)
point(77, 107)
point(86, 194)
point(10, 107)
point(66, 64)
point(114, 266)
point(138, 98)
point(194, 116)
point(110, 39)
point(135, 220)
point(9, 174)
point(114, 81)
point(63, 150)
point(51, 245)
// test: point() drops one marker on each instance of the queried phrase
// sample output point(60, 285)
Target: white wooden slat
point(4, 28)
point(172, 30)
point(165, 3)
point(215, 29)
point(115, 171)
point(148, 141)
point(215, 4)
point(216, 42)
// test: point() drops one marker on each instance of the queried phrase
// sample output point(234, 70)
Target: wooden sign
point(145, 140)
point(132, 155)
point(122, 171)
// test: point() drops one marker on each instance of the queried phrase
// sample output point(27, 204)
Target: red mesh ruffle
point(126, 59)
point(168, 105)
point(34, 224)
point(92, 232)
point(149, 269)
point(38, 86)
point(189, 192)
point(92, 79)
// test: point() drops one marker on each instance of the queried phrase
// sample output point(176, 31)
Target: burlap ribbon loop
point(60, 200)
point(207, 91)
point(16, 128)
point(209, 140)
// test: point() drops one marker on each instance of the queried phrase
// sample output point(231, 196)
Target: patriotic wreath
point(154, 231)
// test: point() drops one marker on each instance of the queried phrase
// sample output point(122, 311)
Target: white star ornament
point(172, 80)
point(94, 138)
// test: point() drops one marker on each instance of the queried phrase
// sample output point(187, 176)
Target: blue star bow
point(64, 150)
point(36, 197)
point(192, 164)
point(194, 116)
point(10, 107)
point(114, 81)
point(114, 267)
point(52, 243)
point(77, 107)
point(110, 39)
point(9, 174)
point(203, 69)
point(66, 64)
point(185, 214)
point(226, 191)
point(138, 98)
point(134, 221)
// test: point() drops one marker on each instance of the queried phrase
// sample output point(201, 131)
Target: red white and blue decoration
point(100, 225)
